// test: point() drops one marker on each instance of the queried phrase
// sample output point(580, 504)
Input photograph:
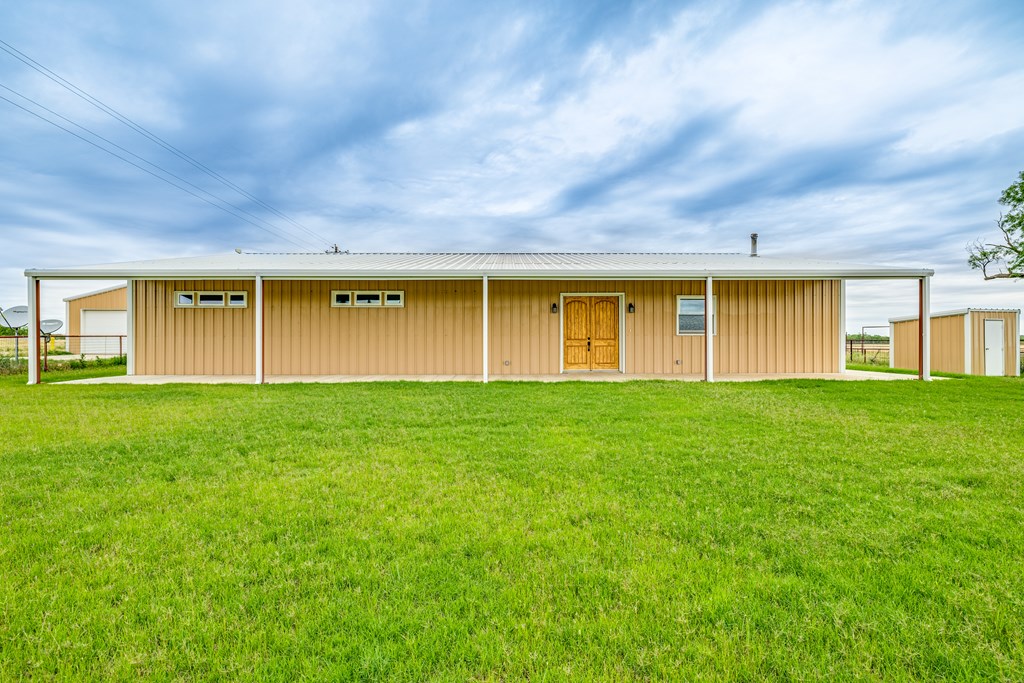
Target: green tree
point(1006, 257)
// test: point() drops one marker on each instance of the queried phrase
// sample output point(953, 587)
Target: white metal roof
point(958, 311)
point(75, 297)
point(506, 265)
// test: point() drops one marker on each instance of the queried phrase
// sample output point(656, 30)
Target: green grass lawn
point(807, 530)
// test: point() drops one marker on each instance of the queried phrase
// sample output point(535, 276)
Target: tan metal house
point(484, 315)
point(971, 341)
point(95, 316)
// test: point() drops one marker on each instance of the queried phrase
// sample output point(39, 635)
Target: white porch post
point(131, 327)
point(33, 330)
point(926, 330)
point(842, 326)
point(709, 332)
point(258, 332)
point(486, 303)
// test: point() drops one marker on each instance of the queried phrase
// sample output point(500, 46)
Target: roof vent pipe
point(753, 244)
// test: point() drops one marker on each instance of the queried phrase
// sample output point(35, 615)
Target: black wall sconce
point(631, 308)
point(554, 308)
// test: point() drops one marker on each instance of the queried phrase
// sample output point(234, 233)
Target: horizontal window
point(211, 299)
point(690, 315)
point(341, 298)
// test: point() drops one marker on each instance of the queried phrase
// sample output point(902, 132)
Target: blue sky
point(862, 131)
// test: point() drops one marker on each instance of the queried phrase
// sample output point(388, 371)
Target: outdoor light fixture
point(554, 308)
point(631, 308)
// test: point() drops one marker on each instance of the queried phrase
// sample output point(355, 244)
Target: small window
point(184, 299)
point(367, 298)
point(211, 298)
point(690, 315)
point(341, 298)
point(237, 299)
point(394, 298)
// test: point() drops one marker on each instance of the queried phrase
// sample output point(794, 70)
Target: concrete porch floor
point(849, 375)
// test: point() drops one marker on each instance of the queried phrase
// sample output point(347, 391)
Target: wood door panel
point(604, 333)
point(575, 330)
point(590, 330)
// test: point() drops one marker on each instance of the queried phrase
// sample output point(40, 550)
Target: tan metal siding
point(437, 332)
point(192, 341)
point(947, 343)
point(764, 326)
point(114, 300)
point(1010, 340)
point(904, 345)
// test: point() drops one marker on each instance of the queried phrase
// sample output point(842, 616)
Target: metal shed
point(970, 341)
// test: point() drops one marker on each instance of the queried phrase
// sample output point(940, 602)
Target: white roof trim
point(959, 311)
point(419, 266)
point(94, 293)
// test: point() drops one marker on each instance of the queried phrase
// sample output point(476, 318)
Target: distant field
point(797, 530)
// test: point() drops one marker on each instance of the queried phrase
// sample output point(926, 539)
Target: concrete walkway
point(849, 375)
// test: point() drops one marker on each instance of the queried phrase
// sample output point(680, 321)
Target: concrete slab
point(848, 376)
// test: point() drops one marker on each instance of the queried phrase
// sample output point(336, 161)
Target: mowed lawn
point(805, 530)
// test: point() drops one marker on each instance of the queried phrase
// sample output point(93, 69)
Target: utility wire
point(155, 175)
point(79, 92)
point(143, 160)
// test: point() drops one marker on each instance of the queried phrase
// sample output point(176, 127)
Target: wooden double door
point(590, 332)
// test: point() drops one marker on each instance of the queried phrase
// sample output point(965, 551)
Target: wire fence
point(867, 352)
point(62, 348)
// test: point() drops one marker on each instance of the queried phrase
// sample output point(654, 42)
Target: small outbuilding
point(95, 317)
point(970, 341)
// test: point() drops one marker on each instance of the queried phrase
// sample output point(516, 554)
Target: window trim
point(714, 314)
point(382, 296)
point(225, 302)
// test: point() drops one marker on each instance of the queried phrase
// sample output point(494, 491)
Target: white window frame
point(334, 298)
point(382, 295)
point(178, 304)
point(714, 315)
point(225, 303)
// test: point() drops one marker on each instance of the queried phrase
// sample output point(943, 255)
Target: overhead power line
point(110, 111)
point(269, 226)
point(155, 175)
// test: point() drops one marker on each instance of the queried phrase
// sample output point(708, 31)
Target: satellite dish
point(15, 317)
point(50, 326)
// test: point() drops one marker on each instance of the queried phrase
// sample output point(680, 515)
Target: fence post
point(120, 346)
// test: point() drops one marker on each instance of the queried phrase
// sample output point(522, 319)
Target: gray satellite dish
point(15, 317)
point(50, 326)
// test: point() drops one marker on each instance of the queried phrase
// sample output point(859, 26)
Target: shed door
point(102, 332)
point(995, 354)
point(590, 330)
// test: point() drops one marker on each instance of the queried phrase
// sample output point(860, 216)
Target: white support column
point(709, 331)
point(967, 343)
point(842, 326)
point(892, 345)
point(926, 330)
point(486, 303)
point(33, 330)
point(258, 332)
point(131, 327)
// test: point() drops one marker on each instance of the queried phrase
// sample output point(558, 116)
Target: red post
point(34, 318)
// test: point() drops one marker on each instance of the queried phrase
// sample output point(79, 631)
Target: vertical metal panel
point(1011, 341)
point(184, 341)
point(764, 326)
point(438, 331)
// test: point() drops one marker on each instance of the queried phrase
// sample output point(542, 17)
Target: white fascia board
point(437, 274)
